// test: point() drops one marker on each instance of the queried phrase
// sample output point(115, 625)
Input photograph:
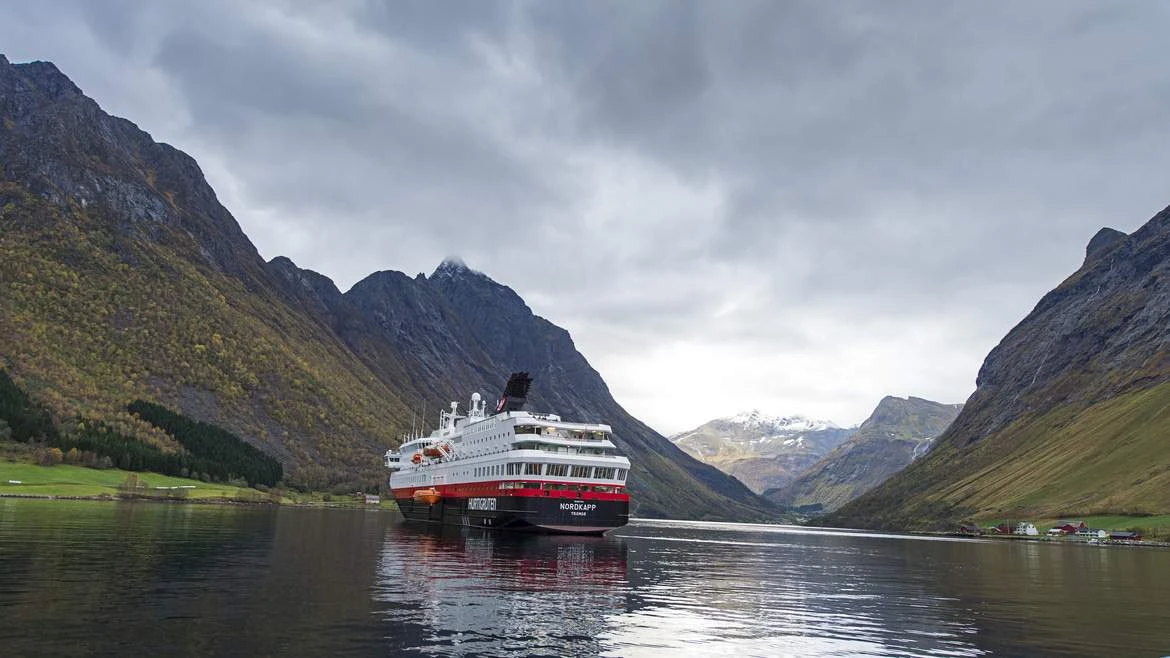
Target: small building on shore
point(1026, 529)
point(1118, 535)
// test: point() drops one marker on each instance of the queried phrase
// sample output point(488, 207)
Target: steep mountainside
point(124, 278)
point(762, 451)
point(895, 434)
point(1071, 410)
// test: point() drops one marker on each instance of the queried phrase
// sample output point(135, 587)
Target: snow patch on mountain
point(779, 424)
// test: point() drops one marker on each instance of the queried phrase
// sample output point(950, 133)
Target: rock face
point(124, 278)
point(65, 149)
point(897, 432)
point(763, 452)
point(1067, 413)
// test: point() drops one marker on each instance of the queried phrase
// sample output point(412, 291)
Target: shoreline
point(1062, 541)
point(75, 482)
point(208, 500)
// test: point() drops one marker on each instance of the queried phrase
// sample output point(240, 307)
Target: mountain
point(124, 278)
point(762, 451)
point(895, 434)
point(1071, 410)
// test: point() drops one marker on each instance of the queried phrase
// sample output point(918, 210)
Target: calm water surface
point(156, 579)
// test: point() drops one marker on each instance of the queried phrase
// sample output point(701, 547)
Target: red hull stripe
point(487, 489)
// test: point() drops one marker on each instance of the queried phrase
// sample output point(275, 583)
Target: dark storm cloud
point(849, 196)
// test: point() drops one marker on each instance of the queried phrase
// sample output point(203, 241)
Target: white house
point(1026, 529)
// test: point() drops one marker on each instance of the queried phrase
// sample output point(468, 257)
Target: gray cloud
point(840, 200)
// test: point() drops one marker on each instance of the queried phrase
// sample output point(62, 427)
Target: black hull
point(522, 514)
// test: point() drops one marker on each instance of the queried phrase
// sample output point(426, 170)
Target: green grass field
point(66, 480)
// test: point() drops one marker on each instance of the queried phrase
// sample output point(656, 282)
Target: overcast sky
point(799, 207)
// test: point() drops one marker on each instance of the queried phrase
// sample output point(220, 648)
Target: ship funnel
point(515, 393)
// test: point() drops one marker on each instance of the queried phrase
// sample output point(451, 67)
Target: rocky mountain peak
point(46, 76)
point(452, 265)
point(64, 149)
point(1102, 243)
point(453, 269)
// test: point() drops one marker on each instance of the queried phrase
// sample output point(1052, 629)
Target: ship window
point(530, 485)
point(557, 470)
point(532, 469)
point(548, 486)
point(601, 488)
point(580, 471)
point(604, 473)
point(621, 474)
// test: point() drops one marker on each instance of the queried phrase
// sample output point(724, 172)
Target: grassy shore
point(67, 481)
point(64, 480)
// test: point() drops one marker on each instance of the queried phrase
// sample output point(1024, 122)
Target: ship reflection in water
point(479, 592)
point(649, 591)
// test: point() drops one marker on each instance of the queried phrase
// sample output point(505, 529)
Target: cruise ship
point(512, 470)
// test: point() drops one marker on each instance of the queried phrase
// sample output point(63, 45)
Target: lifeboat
point(437, 451)
point(428, 496)
point(417, 458)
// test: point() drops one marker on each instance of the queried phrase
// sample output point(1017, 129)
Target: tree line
point(27, 420)
point(222, 455)
point(209, 452)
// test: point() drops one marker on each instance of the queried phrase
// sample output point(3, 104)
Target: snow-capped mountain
point(763, 451)
point(777, 424)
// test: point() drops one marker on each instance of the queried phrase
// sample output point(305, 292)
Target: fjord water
point(79, 578)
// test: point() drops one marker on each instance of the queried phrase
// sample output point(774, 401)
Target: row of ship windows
point(552, 470)
point(487, 438)
point(556, 486)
